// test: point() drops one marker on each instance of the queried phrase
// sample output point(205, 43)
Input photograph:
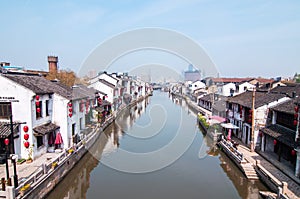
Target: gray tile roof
point(286, 107)
point(5, 129)
point(281, 133)
point(45, 128)
point(261, 98)
point(287, 90)
point(40, 85)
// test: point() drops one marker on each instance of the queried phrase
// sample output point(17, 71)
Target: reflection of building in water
point(113, 136)
point(77, 182)
point(246, 188)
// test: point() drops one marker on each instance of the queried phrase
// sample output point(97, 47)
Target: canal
point(155, 150)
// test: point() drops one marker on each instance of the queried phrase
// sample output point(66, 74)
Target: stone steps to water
point(249, 171)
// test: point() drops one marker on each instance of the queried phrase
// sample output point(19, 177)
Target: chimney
point(52, 60)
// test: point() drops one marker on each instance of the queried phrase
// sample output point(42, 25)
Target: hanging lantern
point(275, 142)
point(260, 134)
point(70, 114)
point(6, 141)
point(70, 109)
point(295, 122)
point(38, 110)
point(37, 98)
point(37, 103)
point(26, 136)
point(296, 109)
point(293, 152)
point(25, 129)
point(70, 104)
point(250, 111)
point(241, 115)
point(26, 144)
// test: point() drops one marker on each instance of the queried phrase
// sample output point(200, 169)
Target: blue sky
point(243, 38)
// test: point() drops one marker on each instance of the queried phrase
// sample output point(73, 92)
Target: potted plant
point(30, 152)
point(24, 189)
point(54, 165)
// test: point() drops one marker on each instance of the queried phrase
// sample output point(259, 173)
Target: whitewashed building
point(239, 113)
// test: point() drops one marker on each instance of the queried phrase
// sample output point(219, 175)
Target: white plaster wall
point(61, 118)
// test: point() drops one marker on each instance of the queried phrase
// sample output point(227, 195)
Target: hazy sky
point(243, 38)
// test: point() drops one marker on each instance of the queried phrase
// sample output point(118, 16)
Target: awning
point(45, 128)
point(282, 134)
point(217, 119)
point(229, 126)
point(5, 129)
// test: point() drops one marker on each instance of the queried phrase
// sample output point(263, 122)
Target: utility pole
point(252, 122)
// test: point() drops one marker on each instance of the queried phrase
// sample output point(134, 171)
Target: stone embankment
point(49, 174)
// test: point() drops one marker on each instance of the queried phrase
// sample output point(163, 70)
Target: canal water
point(155, 150)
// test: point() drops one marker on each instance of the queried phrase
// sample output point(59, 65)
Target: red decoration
point(293, 152)
point(37, 103)
point(26, 144)
point(37, 98)
point(275, 142)
point(295, 122)
point(250, 111)
point(241, 115)
point(260, 134)
point(70, 109)
point(70, 104)
point(25, 129)
point(38, 110)
point(70, 114)
point(26, 136)
point(6, 141)
point(296, 109)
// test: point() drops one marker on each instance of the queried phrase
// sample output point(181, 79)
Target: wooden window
point(5, 110)
point(285, 120)
point(47, 107)
point(39, 141)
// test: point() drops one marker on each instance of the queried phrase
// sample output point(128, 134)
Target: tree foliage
point(66, 77)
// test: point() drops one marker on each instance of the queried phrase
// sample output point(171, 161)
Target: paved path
point(293, 187)
point(24, 170)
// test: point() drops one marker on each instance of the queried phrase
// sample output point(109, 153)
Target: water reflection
point(213, 176)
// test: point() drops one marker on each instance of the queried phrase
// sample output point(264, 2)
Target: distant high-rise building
point(192, 74)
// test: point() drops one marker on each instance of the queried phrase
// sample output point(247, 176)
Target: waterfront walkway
point(25, 170)
point(293, 186)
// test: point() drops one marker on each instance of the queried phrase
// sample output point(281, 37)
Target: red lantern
point(37, 103)
point(26, 144)
point(295, 122)
point(275, 142)
point(26, 136)
point(241, 115)
point(70, 109)
point(296, 109)
point(70, 114)
point(260, 134)
point(70, 104)
point(38, 110)
point(25, 129)
point(37, 98)
point(293, 152)
point(250, 111)
point(6, 141)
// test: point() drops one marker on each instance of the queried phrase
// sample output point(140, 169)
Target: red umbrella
point(58, 139)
